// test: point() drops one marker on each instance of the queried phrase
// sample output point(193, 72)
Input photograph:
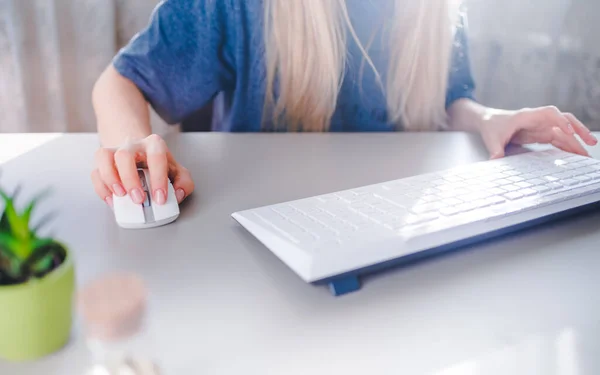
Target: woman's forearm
point(121, 110)
point(467, 115)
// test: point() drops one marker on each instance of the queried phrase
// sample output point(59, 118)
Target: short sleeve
point(461, 83)
point(180, 61)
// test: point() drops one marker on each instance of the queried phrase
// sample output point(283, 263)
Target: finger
point(127, 169)
point(156, 158)
point(101, 189)
point(497, 153)
point(105, 160)
point(567, 143)
point(495, 147)
point(183, 184)
point(555, 118)
point(581, 130)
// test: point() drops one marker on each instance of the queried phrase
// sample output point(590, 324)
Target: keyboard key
point(512, 173)
point(497, 191)
point(358, 205)
point(551, 178)
point(574, 158)
point(430, 198)
point(565, 175)
point(523, 184)
point(285, 210)
point(467, 175)
point(467, 206)
point(452, 201)
point(449, 211)
point(423, 208)
point(516, 179)
point(528, 192)
point(595, 175)
point(496, 200)
point(529, 176)
point(480, 203)
point(489, 185)
point(555, 185)
point(583, 178)
point(536, 181)
point(503, 182)
point(511, 187)
point(446, 194)
point(570, 182)
point(586, 170)
point(513, 195)
point(541, 189)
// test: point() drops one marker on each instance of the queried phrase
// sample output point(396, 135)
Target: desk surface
point(223, 304)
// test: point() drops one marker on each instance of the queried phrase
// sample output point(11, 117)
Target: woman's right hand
point(116, 171)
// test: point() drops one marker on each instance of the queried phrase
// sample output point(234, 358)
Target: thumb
point(497, 155)
point(183, 184)
point(495, 148)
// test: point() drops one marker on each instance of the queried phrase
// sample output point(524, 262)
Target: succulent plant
point(23, 253)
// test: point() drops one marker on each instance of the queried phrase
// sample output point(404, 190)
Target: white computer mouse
point(131, 215)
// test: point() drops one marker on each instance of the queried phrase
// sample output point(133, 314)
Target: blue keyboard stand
point(344, 285)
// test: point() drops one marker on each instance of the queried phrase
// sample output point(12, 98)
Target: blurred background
point(523, 53)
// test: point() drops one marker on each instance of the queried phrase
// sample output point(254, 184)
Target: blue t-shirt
point(193, 50)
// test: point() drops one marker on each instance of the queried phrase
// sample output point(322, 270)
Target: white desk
point(223, 304)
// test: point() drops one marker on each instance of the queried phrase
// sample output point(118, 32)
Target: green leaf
point(28, 210)
point(8, 245)
point(4, 225)
point(15, 224)
point(37, 262)
point(43, 265)
point(41, 242)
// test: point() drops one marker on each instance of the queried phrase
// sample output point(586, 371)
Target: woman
point(299, 65)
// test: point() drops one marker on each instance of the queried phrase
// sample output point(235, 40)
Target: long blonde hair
point(306, 54)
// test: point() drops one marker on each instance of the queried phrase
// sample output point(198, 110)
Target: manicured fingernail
point(118, 189)
point(159, 196)
point(109, 201)
point(136, 195)
point(180, 194)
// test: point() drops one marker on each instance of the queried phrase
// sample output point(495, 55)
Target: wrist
point(494, 116)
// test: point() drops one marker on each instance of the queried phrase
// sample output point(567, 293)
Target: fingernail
point(136, 195)
point(159, 196)
point(118, 189)
point(109, 201)
point(180, 194)
point(570, 127)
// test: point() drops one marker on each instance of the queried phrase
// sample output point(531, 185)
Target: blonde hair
point(306, 54)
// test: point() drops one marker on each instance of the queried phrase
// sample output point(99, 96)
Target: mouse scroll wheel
point(142, 179)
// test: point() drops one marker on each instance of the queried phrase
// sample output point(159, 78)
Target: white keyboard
point(333, 234)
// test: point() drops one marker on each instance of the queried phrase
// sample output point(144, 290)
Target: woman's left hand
point(546, 125)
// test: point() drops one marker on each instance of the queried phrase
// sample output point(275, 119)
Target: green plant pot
point(36, 317)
